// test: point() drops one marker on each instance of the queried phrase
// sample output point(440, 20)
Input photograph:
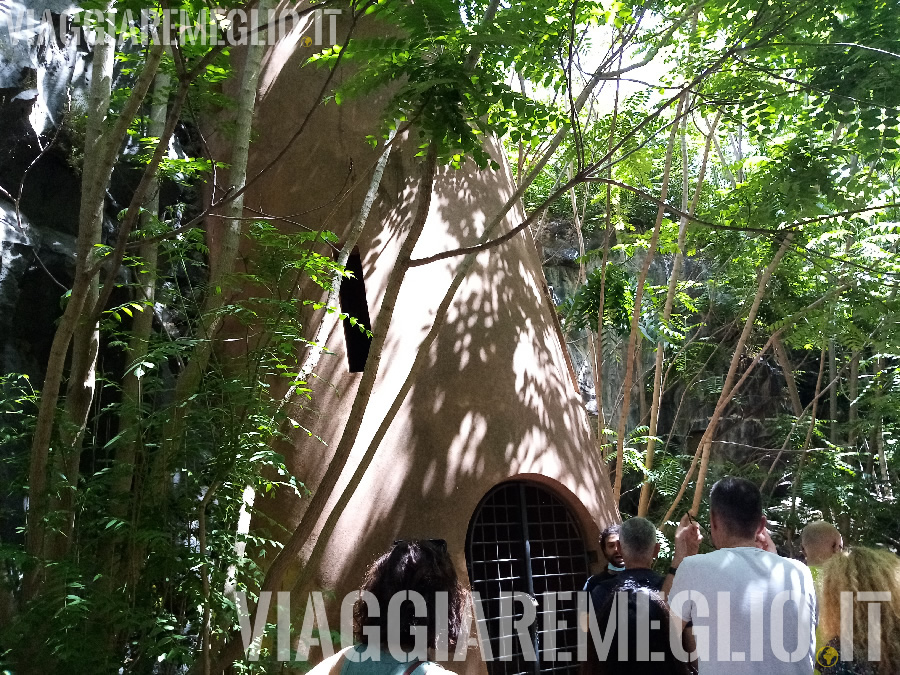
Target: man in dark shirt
point(609, 547)
point(639, 548)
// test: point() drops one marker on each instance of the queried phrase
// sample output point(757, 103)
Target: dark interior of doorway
point(523, 538)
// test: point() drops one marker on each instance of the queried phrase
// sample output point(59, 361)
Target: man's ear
point(762, 524)
point(656, 550)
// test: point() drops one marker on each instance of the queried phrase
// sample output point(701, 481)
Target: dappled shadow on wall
point(493, 401)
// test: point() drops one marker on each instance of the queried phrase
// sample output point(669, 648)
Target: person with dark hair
point(751, 610)
point(639, 546)
point(648, 615)
point(612, 554)
point(398, 642)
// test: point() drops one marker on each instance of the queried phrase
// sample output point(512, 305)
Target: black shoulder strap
point(415, 663)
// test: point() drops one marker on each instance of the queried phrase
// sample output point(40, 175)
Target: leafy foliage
point(806, 104)
point(805, 144)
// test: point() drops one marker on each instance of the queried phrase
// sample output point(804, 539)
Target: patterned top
point(828, 662)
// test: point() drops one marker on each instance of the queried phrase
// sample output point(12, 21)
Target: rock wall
point(37, 243)
point(763, 398)
point(45, 70)
point(45, 73)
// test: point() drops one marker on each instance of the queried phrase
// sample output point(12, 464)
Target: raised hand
point(764, 541)
point(687, 539)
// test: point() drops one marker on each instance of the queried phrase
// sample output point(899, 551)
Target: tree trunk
point(142, 326)
point(787, 369)
point(832, 395)
point(737, 143)
point(795, 487)
point(292, 547)
point(86, 338)
point(367, 383)
point(576, 219)
point(647, 486)
point(205, 629)
point(728, 391)
point(330, 319)
point(790, 433)
point(724, 162)
point(636, 312)
point(886, 486)
point(211, 319)
point(732, 369)
point(878, 434)
point(520, 165)
point(103, 151)
point(326, 326)
point(640, 372)
point(141, 330)
point(81, 381)
point(853, 392)
point(593, 357)
point(598, 339)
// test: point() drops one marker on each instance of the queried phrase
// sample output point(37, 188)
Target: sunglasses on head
point(439, 544)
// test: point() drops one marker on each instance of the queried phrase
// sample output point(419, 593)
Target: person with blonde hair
point(862, 570)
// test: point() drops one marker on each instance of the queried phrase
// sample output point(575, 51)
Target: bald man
point(820, 541)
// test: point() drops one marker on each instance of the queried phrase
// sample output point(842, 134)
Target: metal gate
point(523, 538)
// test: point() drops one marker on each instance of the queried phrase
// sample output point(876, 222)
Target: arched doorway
point(523, 538)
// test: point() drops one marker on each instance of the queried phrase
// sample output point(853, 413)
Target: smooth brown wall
point(496, 400)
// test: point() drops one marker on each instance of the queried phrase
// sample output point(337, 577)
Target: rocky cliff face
point(559, 246)
point(45, 71)
point(40, 78)
point(685, 412)
point(33, 260)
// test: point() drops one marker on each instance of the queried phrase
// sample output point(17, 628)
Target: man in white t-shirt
point(750, 610)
